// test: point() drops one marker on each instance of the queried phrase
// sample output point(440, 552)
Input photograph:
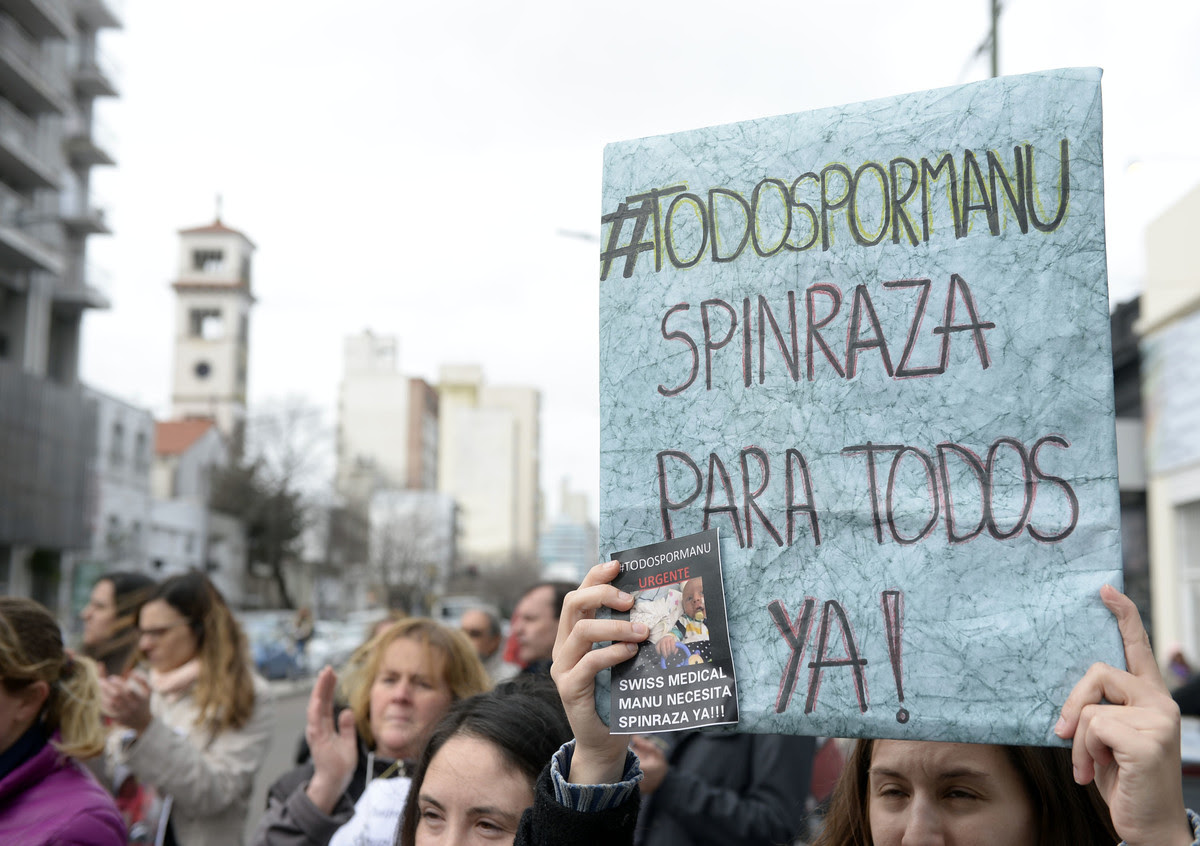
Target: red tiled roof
point(215, 226)
point(174, 437)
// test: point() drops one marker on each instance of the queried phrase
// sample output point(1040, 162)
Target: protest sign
point(870, 344)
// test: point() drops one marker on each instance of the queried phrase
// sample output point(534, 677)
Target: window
point(208, 261)
point(206, 323)
point(116, 449)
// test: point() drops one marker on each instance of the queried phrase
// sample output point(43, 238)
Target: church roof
point(175, 437)
point(216, 227)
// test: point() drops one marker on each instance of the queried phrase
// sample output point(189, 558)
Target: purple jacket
point(50, 800)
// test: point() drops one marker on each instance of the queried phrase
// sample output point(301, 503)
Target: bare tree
point(286, 471)
point(411, 546)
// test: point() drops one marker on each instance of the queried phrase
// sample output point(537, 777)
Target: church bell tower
point(212, 328)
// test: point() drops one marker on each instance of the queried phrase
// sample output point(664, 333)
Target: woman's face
point(408, 697)
point(949, 794)
point(167, 638)
point(99, 614)
point(470, 795)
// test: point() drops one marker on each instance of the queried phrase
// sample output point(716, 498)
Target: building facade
point(387, 422)
point(1169, 326)
point(52, 71)
point(489, 461)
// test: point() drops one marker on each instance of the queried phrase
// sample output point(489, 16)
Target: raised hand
point(1125, 730)
point(599, 757)
point(334, 747)
point(126, 701)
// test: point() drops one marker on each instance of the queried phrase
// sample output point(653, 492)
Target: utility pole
point(995, 39)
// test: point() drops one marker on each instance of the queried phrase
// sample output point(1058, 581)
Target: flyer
point(682, 676)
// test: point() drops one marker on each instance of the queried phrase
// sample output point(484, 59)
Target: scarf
point(173, 683)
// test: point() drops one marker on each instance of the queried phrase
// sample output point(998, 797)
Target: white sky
point(408, 167)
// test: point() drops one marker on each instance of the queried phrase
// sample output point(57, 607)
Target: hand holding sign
point(1125, 728)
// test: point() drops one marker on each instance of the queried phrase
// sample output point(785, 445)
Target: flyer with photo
point(682, 675)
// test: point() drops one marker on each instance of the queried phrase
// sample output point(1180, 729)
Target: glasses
point(156, 633)
point(475, 632)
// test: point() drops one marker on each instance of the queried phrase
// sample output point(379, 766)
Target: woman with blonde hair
point(198, 728)
point(398, 685)
point(49, 718)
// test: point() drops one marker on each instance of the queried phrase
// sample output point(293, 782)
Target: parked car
point(333, 642)
point(271, 644)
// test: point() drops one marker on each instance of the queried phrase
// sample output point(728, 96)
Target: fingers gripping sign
point(1125, 732)
point(599, 757)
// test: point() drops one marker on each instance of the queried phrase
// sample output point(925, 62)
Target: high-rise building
point(51, 73)
point(212, 328)
point(387, 422)
point(489, 449)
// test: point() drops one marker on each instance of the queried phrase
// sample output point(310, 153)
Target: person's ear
point(30, 701)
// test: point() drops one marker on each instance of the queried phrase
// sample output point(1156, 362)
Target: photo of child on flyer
point(675, 616)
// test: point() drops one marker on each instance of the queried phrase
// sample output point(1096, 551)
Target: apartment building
point(52, 71)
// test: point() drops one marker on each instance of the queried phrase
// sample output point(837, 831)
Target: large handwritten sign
point(870, 344)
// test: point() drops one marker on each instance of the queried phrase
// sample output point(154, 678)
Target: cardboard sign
point(870, 344)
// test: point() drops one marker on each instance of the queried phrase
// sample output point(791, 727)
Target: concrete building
point(120, 504)
point(1170, 330)
point(489, 448)
point(51, 73)
point(568, 546)
point(185, 533)
point(387, 422)
point(212, 329)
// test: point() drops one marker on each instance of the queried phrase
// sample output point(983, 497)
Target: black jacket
point(730, 790)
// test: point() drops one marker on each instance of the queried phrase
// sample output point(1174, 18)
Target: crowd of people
point(156, 730)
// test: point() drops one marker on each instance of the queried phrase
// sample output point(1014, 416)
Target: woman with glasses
point(198, 726)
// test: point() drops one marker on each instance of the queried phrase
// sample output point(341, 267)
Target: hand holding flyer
point(682, 675)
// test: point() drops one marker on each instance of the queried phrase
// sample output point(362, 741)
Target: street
point(291, 698)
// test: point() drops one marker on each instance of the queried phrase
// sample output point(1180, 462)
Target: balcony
point(21, 249)
point(93, 74)
point(86, 219)
point(26, 78)
point(48, 440)
point(98, 14)
point(26, 158)
point(41, 18)
point(88, 143)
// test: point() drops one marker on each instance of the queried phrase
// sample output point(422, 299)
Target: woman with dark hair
point(49, 717)
point(1120, 778)
point(198, 728)
point(398, 685)
point(110, 633)
point(476, 776)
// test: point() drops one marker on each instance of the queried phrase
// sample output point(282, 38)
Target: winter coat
point(291, 819)
point(548, 823)
point(209, 777)
point(729, 790)
point(50, 800)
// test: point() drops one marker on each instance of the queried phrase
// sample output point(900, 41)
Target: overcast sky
point(412, 167)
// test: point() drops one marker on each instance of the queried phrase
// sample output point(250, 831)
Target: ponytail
point(31, 650)
point(73, 708)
